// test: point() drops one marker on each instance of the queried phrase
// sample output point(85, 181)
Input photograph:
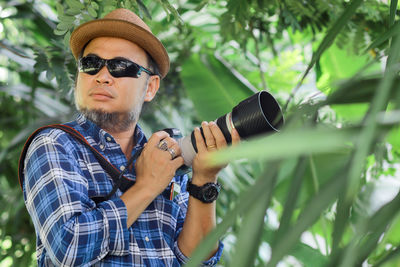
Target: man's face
point(105, 93)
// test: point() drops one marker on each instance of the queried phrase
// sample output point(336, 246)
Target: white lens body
point(187, 149)
point(188, 152)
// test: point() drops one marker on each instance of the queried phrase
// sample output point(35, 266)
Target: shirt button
point(101, 147)
point(108, 138)
point(147, 239)
point(122, 168)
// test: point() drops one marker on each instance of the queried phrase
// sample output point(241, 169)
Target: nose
point(104, 76)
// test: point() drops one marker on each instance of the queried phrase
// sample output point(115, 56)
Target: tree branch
point(12, 50)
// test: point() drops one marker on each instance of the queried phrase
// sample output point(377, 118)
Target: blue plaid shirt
point(61, 176)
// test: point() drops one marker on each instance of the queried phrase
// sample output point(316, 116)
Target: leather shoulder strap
point(106, 165)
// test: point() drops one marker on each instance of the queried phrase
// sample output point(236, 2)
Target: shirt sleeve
point(182, 200)
point(210, 262)
point(72, 229)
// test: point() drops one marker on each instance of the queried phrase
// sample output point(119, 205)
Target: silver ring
point(172, 152)
point(163, 145)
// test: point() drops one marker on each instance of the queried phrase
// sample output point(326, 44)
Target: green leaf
point(60, 9)
point(212, 87)
point(73, 11)
point(350, 113)
point(143, 8)
point(308, 256)
point(249, 236)
point(391, 260)
point(393, 138)
point(393, 233)
point(109, 3)
point(308, 216)
point(285, 144)
point(95, 5)
point(291, 198)
point(64, 26)
point(92, 12)
point(128, 4)
point(323, 166)
point(166, 5)
point(245, 201)
point(201, 5)
point(66, 38)
point(372, 229)
point(66, 19)
point(76, 4)
point(342, 63)
point(86, 17)
point(392, 31)
point(358, 90)
point(60, 32)
point(393, 9)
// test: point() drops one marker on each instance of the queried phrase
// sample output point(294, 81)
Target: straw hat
point(121, 23)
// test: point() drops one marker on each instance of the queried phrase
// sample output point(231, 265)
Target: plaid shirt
point(61, 176)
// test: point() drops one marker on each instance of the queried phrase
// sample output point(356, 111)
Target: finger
point(166, 143)
point(165, 156)
point(170, 141)
point(177, 149)
point(173, 152)
point(211, 142)
point(209, 137)
point(218, 135)
point(156, 137)
point(178, 162)
point(235, 136)
point(200, 143)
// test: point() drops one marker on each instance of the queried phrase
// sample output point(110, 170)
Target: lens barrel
point(255, 115)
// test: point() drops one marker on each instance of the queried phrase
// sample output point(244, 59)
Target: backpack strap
point(115, 174)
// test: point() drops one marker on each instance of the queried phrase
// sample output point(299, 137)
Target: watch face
point(206, 193)
point(210, 193)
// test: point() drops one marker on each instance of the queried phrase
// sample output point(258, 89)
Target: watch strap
point(206, 193)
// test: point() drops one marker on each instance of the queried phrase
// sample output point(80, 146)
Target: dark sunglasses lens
point(91, 64)
point(122, 68)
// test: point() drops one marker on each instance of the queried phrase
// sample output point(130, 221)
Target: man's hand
point(155, 167)
point(214, 140)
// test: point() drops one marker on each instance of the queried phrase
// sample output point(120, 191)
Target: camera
point(258, 114)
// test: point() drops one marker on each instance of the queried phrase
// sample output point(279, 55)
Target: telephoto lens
point(255, 115)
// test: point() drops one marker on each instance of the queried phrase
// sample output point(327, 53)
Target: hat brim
point(120, 29)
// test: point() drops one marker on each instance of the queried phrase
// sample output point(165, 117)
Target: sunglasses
point(118, 67)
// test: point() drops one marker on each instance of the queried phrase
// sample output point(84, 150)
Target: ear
point(152, 88)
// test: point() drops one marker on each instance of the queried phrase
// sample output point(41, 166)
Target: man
point(120, 66)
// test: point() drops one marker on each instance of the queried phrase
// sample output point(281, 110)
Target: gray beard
point(115, 121)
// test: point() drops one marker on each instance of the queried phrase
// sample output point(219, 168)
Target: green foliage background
point(322, 192)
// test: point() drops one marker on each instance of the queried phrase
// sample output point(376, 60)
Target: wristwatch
point(206, 193)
